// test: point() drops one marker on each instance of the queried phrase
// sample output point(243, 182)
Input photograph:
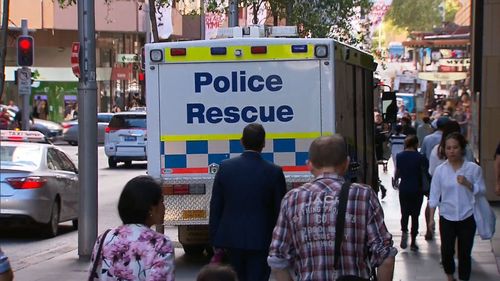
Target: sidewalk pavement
point(421, 265)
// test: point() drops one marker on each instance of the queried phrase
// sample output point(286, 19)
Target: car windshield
point(128, 121)
point(27, 156)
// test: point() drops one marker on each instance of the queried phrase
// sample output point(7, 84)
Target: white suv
point(125, 138)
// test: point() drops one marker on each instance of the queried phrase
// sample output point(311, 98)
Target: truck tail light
point(178, 51)
point(184, 189)
point(259, 49)
point(26, 182)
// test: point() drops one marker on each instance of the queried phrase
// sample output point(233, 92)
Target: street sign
point(127, 58)
point(75, 58)
point(24, 81)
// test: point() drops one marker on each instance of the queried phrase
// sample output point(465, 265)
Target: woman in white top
point(456, 182)
point(437, 156)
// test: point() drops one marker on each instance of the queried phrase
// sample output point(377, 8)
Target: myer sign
point(127, 58)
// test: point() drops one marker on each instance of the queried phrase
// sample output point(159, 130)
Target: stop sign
point(75, 58)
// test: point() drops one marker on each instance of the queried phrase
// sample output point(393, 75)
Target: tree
point(331, 18)
point(316, 18)
point(421, 15)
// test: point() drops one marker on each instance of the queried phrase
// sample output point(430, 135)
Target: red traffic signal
point(25, 50)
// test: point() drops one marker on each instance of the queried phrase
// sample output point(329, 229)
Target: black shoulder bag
point(339, 234)
point(93, 273)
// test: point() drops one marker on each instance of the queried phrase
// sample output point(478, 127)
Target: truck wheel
point(52, 227)
point(193, 250)
point(111, 163)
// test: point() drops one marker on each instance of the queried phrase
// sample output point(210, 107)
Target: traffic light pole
point(87, 130)
point(26, 97)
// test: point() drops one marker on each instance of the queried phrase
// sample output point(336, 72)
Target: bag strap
point(339, 224)
point(93, 273)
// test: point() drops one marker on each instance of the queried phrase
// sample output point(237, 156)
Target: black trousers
point(410, 207)
point(464, 232)
point(250, 265)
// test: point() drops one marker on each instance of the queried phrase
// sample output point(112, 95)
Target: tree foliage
point(315, 18)
point(421, 15)
point(331, 18)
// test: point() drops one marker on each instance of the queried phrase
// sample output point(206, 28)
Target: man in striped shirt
point(304, 237)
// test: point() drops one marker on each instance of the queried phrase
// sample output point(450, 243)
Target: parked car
point(38, 183)
point(51, 130)
point(125, 138)
point(70, 128)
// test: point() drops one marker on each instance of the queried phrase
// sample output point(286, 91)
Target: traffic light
point(25, 50)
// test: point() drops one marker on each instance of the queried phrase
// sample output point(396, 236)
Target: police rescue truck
point(201, 94)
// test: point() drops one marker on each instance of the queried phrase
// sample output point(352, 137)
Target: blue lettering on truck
point(197, 113)
point(237, 82)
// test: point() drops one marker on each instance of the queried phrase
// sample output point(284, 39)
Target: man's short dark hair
point(213, 272)
point(328, 151)
point(254, 137)
point(411, 141)
point(138, 196)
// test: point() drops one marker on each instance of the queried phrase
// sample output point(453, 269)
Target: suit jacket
point(245, 203)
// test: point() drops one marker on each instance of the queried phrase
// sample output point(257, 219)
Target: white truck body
point(201, 94)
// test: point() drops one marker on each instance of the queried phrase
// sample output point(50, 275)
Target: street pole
point(202, 20)
point(87, 130)
point(26, 97)
point(3, 52)
point(233, 13)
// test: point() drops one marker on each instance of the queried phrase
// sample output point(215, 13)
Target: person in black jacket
point(245, 205)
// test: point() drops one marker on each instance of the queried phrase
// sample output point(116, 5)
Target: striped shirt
point(304, 236)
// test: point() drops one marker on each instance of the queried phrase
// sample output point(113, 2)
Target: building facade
point(121, 31)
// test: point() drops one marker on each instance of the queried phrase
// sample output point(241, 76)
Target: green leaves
point(421, 15)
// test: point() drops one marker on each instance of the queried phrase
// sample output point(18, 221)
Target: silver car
point(70, 128)
point(125, 138)
point(38, 184)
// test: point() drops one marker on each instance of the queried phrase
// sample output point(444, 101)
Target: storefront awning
point(442, 76)
point(446, 43)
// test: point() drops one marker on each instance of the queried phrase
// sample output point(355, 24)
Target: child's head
point(213, 272)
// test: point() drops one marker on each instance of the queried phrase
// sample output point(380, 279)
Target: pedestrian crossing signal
point(25, 50)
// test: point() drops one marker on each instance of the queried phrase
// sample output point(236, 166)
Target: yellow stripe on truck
point(304, 135)
point(274, 52)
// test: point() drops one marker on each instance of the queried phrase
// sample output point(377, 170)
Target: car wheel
point(52, 227)
point(75, 224)
point(128, 163)
point(111, 162)
point(73, 143)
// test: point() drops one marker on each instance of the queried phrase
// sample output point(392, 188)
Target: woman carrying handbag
point(455, 186)
point(133, 251)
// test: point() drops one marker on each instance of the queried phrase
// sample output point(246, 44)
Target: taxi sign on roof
point(28, 136)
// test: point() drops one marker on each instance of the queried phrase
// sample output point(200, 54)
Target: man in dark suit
point(245, 205)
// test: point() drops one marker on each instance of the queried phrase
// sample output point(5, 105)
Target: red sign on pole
point(75, 58)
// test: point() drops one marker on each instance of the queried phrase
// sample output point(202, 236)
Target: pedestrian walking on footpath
point(245, 204)
point(428, 144)
point(438, 155)
point(134, 251)
point(424, 130)
point(454, 185)
point(304, 238)
point(409, 166)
